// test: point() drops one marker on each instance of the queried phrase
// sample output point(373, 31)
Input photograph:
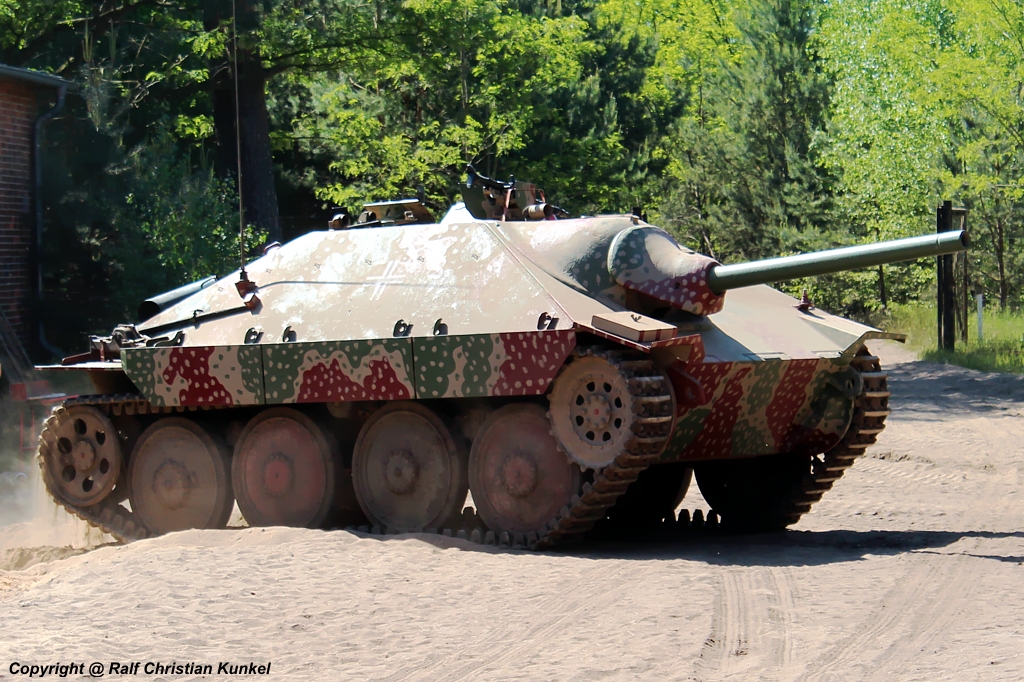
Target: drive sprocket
point(80, 454)
point(648, 393)
point(105, 514)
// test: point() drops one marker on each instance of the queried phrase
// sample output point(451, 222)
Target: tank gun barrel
point(721, 278)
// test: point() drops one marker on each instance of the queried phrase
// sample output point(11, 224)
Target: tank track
point(472, 529)
point(870, 409)
point(650, 389)
point(653, 404)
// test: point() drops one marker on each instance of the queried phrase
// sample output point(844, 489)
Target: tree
point(171, 57)
point(748, 182)
point(467, 83)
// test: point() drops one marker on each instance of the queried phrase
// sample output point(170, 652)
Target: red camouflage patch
point(684, 292)
point(533, 360)
point(789, 397)
point(193, 366)
point(715, 438)
point(323, 383)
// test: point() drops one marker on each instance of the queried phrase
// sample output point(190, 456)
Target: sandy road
point(912, 568)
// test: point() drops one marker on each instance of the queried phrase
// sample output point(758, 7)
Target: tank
point(567, 373)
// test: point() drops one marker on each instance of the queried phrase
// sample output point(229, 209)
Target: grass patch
point(1001, 349)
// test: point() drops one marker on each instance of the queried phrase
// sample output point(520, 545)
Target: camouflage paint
point(199, 375)
point(760, 408)
point(489, 364)
point(338, 371)
point(648, 260)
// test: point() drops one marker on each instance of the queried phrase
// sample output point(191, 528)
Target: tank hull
point(760, 351)
point(457, 321)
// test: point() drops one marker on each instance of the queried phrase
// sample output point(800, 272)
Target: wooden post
point(938, 280)
point(965, 294)
point(965, 285)
point(980, 299)
point(946, 284)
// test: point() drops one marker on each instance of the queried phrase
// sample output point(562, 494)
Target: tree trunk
point(258, 195)
point(1001, 265)
point(881, 286)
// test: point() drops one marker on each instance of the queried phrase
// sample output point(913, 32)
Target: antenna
point(243, 276)
point(246, 289)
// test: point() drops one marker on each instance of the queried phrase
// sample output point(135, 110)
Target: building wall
point(18, 113)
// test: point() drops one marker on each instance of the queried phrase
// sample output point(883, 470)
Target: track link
point(870, 409)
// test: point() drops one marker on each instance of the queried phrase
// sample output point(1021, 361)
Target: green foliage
point(749, 128)
point(927, 108)
point(1001, 349)
point(747, 179)
point(178, 223)
point(130, 224)
point(468, 84)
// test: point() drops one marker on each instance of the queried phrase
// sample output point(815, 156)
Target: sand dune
point(911, 568)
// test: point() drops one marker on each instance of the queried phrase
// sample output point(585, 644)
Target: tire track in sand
point(751, 625)
point(953, 592)
point(727, 635)
point(925, 599)
point(784, 593)
point(500, 646)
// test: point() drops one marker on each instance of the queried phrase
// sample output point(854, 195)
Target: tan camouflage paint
point(648, 260)
point(610, 254)
point(359, 283)
point(576, 249)
point(212, 375)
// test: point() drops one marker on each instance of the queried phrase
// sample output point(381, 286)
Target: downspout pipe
point(37, 162)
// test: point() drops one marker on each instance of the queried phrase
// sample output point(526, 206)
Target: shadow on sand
point(790, 548)
point(928, 387)
point(787, 548)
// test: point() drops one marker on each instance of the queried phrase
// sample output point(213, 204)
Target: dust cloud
point(33, 529)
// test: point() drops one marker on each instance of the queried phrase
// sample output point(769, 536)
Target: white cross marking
point(383, 280)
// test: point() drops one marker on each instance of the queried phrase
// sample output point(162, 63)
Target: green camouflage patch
point(458, 366)
point(336, 371)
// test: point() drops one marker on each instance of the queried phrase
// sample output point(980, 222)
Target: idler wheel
point(284, 470)
point(519, 478)
point(82, 454)
point(180, 477)
point(409, 471)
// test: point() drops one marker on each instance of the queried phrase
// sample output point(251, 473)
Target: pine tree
point(750, 185)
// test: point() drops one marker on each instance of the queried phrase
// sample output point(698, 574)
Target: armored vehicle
point(565, 372)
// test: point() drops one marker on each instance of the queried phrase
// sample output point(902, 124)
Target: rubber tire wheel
point(653, 497)
point(753, 495)
point(521, 430)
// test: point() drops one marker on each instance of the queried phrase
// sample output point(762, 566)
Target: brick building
point(27, 99)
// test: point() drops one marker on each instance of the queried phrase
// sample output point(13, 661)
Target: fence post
point(962, 288)
point(946, 284)
point(980, 299)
